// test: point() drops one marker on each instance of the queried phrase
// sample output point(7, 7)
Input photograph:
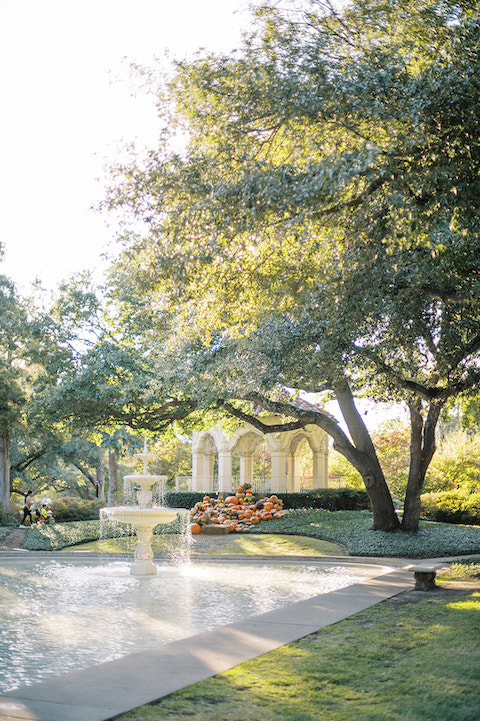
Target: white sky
point(64, 111)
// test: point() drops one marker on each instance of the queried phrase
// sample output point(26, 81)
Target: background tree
point(13, 376)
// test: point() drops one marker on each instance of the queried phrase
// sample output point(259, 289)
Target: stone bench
point(424, 575)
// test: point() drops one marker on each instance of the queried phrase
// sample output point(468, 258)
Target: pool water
point(57, 616)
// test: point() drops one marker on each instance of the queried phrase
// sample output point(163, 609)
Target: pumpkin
point(231, 500)
point(195, 528)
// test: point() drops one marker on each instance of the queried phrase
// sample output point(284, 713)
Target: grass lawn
point(415, 657)
point(239, 545)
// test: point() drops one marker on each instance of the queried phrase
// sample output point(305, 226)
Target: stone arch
point(285, 447)
point(244, 443)
point(209, 446)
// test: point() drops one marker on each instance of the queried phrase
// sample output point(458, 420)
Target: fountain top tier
point(145, 457)
point(144, 481)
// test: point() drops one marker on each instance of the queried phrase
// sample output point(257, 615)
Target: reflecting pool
point(57, 616)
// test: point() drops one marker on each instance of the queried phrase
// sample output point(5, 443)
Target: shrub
point(183, 499)
point(339, 467)
point(10, 518)
point(330, 499)
point(456, 463)
point(458, 506)
point(71, 508)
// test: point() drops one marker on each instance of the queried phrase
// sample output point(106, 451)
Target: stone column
point(202, 478)
point(246, 468)
point(279, 471)
point(320, 469)
point(225, 471)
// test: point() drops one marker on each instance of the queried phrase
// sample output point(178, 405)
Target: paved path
point(104, 691)
point(13, 540)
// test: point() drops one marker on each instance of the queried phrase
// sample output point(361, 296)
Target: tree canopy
point(310, 221)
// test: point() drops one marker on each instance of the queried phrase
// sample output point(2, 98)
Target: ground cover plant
point(415, 656)
point(354, 530)
point(351, 529)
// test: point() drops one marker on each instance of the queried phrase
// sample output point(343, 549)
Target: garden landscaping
point(412, 657)
point(415, 656)
point(350, 530)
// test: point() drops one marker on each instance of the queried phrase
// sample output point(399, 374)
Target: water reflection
point(57, 616)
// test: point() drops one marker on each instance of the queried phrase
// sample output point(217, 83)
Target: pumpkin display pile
point(239, 512)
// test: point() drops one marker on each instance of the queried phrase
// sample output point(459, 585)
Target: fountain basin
point(143, 521)
point(145, 516)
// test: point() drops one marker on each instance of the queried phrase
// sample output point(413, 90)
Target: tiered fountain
point(143, 517)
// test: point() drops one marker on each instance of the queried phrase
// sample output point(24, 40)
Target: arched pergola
point(283, 447)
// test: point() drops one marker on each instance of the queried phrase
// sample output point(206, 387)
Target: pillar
point(225, 471)
point(279, 471)
point(246, 468)
point(202, 477)
point(320, 469)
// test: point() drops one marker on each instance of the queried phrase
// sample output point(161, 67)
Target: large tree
point(13, 376)
point(318, 228)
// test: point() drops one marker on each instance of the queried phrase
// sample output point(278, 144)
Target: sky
point(69, 106)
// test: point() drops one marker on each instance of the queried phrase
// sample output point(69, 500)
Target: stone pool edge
point(104, 691)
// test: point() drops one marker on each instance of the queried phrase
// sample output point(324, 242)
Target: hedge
point(72, 508)
point(331, 499)
point(457, 506)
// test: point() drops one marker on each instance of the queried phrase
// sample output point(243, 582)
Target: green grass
point(4, 531)
point(405, 659)
point(238, 545)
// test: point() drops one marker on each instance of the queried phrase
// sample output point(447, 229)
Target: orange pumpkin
point(195, 528)
point(231, 500)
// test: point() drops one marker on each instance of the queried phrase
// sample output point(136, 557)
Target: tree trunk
point(100, 484)
point(112, 476)
point(422, 448)
point(364, 458)
point(361, 453)
point(5, 472)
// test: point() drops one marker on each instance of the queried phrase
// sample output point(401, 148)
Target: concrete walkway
point(104, 691)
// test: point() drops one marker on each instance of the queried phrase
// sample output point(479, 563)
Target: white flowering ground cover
point(353, 529)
